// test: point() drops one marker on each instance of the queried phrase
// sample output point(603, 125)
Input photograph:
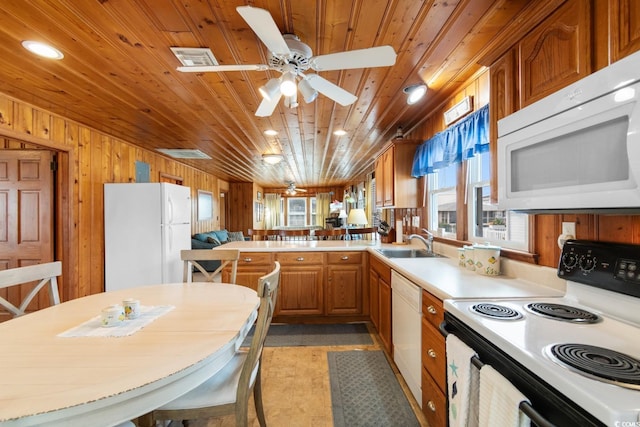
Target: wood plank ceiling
point(119, 74)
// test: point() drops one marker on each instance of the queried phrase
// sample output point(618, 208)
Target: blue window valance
point(454, 144)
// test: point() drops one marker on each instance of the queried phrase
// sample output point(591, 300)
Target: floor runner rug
point(365, 391)
point(296, 335)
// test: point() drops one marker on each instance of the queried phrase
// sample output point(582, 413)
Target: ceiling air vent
point(183, 153)
point(195, 56)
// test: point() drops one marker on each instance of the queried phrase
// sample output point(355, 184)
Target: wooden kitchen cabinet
point(344, 283)
point(434, 362)
point(380, 304)
point(251, 266)
point(395, 187)
point(557, 52)
point(301, 290)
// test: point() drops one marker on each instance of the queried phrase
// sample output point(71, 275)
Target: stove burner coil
point(599, 363)
point(496, 311)
point(562, 312)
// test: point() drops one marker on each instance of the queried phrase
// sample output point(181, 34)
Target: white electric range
point(576, 357)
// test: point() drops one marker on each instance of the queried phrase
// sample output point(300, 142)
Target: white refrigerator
point(146, 225)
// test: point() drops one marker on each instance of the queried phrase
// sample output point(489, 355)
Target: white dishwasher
point(406, 321)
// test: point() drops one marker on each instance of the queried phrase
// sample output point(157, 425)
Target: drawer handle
point(432, 353)
point(345, 258)
point(431, 406)
point(248, 260)
point(300, 259)
point(431, 309)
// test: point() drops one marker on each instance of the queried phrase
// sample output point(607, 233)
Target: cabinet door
point(434, 402)
point(344, 289)
point(300, 290)
point(388, 182)
point(385, 315)
point(557, 52)
point(374, 299)
point(251, 266)
point(625, 28)
point(379, 183)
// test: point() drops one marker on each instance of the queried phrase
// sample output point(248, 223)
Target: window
point(442, 200)
point(487, 223)
point(312, 201)
point(296, 211)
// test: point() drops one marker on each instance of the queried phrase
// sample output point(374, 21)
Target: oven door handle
point(525, 407)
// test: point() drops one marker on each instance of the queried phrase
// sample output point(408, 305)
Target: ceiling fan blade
point(331, 90)
point(262, 23)
point(381, 56)
point(266, 107)
point(213, 68)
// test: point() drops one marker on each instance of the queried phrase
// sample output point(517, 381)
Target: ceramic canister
point(131, 308)
point(487, 259)
point(461, 259)
point(469, 257)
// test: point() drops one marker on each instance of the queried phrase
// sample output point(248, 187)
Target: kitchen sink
point(408, 253)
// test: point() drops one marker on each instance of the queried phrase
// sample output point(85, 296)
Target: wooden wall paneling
point(556, 53)
point(618, 228)
point(6, 113)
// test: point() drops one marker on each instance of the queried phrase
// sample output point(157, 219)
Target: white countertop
point(440, 276)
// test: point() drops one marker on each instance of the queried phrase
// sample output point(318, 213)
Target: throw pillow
point(201, 236)
point(222, 235)
point(236, 236)
point(213, 238)
point(213, 241)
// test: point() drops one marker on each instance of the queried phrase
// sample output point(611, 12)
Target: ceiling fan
point(292, 57)
point(292, 190)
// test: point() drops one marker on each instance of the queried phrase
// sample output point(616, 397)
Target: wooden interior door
point(26, 213)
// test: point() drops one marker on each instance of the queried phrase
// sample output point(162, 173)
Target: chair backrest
point(192, 256)
point(268, 293)
point(45, 274)
point(295, 234)
point(332, 234)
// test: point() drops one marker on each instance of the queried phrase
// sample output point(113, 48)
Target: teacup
point(112, 316)
point(131, 308)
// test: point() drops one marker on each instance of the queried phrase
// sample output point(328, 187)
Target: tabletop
point(54, 380)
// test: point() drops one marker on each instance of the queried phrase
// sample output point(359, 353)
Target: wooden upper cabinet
point(395, 187)
point(625, 28)
point(557, 52)
point(504, 95)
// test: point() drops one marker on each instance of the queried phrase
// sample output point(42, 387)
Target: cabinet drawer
point(434, 357)
point(434, 402)
point(255, 258)
point(432, 309)
point(300, 258)
point(344, 257)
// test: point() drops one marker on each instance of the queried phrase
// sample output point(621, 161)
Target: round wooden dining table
point(50, 378)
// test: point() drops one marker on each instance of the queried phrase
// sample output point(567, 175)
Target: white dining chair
point(193, 258)
point(228, 391)
point(45, 274)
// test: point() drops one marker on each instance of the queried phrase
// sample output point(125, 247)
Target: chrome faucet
point(428, 242)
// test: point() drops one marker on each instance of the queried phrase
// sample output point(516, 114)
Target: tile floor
point(296, 388)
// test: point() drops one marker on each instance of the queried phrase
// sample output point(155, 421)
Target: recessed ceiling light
point(340, 132)
point(270, 132)
point(42, 49)
point(415, 92)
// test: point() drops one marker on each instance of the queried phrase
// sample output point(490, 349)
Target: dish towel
point(499, 401)
point(462, 384)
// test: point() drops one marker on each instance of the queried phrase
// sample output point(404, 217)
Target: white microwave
point(576, 150)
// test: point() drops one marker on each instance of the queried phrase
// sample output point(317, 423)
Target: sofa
point(212, 239)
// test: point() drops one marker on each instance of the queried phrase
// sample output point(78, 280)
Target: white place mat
point(93, 327)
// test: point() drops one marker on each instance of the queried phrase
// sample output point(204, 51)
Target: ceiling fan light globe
point(309, 94)
point(270, 90)
point(288, 84)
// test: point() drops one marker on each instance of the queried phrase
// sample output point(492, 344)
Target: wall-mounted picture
point(259, 196)
point(205, 205)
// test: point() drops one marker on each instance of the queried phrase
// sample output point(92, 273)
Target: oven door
point(587, 157)
point(548, 406)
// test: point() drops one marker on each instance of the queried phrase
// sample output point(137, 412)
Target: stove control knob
point(569, 261)
point(587, 263)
